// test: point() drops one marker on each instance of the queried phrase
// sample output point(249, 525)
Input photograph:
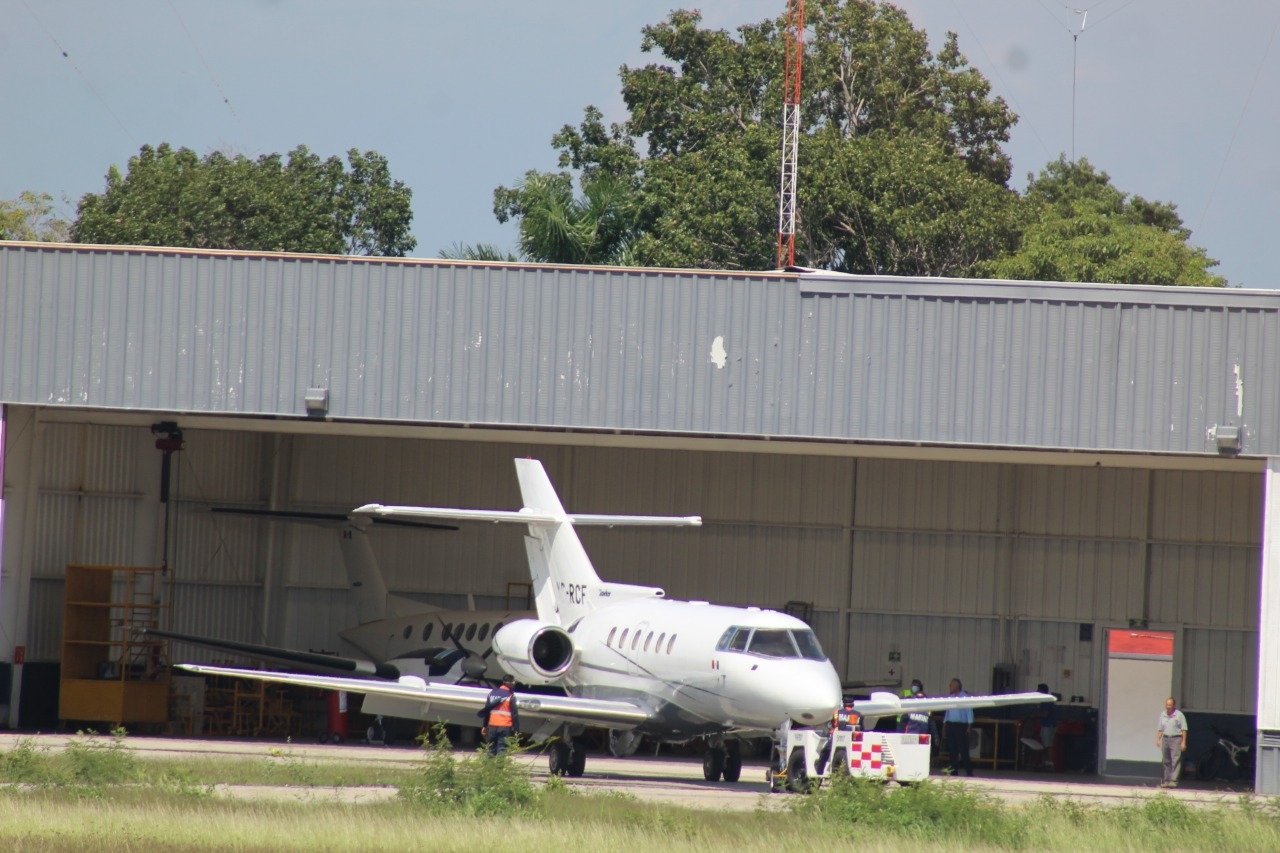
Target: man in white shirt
point(1171, 740)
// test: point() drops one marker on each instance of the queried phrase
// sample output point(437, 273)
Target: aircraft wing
point(889, 705)
point(429, 698)
point(291, 657)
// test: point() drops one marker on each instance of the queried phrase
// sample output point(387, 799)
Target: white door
point(1139, 677)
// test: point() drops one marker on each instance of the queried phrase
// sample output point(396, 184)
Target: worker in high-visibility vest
point(845, 719)
point(501, 718)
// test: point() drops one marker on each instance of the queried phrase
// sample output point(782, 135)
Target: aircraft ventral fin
point(569, 709)
point(526, 516)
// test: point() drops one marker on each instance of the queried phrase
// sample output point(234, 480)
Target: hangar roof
point(798, 355)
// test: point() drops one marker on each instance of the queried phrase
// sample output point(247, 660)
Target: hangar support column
point(20, 431)
point(1268, 764)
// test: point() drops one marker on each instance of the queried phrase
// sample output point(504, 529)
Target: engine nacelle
point(535, 652)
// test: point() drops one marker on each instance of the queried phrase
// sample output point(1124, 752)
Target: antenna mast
point(790, 134)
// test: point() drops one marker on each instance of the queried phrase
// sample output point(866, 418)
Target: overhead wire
point(83, 76)
point(216, 84)
point(996, 70)
point(1244, 109)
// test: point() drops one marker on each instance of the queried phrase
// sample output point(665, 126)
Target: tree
point(303, 204)
point(30, 217)
point(478, 252)
point(557, 227)
point(877, 105)
point(1078, 227)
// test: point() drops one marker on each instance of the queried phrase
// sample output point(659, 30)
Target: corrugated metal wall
point(953, 567)
point(811, 356)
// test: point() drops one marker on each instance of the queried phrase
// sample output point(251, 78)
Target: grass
point(98, 795)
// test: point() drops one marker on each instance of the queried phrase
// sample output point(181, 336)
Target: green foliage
point(95, 762)
point(1081, 228)
point(901, 169)
point(557, 226)
point(478, 252)
point(27, 764)
point(31, 217)
point(478, 785)
point(173, 197)
point(925, 810)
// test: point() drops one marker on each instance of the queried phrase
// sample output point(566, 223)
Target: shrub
point(475, 785)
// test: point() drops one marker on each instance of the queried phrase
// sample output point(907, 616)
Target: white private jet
point(626, 658)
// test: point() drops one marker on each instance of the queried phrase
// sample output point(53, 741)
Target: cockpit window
point(808, 645)
point(723, 642)
point(739, 641)
point(772, 643)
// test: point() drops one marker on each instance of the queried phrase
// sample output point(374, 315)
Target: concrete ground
point(657, 779)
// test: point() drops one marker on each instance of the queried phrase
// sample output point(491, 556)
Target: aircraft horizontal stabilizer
point(525, 516)
point(435, 697)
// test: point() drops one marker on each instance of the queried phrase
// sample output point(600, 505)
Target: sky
point(1177, 101)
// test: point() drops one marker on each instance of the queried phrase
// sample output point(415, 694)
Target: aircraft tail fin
point(565, 584)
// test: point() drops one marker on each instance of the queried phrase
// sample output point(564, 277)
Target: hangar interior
point(905, 567)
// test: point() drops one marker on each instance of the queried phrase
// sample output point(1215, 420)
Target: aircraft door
point(1138, 678)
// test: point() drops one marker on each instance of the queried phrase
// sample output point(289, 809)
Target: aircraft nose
point(814, 699)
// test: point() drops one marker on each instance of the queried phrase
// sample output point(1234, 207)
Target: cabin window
point(671, 643)
point(426, 632)
point(448, 629)
point(808, 644)
point(772, 643)
point(739, 641)
point(612, 631)
point(622, 641)
point(635, 640)
point(661, 637)
point(497, 628)
point(408, 629)
point(648, 640)
point(484, 632)
point(471, 631)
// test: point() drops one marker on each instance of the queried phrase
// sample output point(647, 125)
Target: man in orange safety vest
point(501, 718)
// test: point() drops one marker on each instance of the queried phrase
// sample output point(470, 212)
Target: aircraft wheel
point(577, 758)
point(797, 773)
point(713, 763)
point(733, 766)
point(558, 759)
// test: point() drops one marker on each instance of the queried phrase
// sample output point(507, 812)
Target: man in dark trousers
point(956, 724)
point(501, 718)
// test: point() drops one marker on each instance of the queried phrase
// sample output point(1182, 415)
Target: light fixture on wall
point(317, 402)
point(1227, 438)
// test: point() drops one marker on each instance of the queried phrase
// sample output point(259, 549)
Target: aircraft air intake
point(534, 652)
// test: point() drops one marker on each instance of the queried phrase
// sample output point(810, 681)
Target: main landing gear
point(722, 759)
point(567, 758)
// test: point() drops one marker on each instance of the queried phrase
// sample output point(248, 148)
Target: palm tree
point(556, 227)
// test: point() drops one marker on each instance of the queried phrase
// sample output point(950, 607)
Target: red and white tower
point(790, 134)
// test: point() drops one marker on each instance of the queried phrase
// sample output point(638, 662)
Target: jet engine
point(535, 652)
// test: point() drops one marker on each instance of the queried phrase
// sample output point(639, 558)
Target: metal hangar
point(981, 479)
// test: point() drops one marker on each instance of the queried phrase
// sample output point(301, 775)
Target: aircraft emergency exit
point(628, 659)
